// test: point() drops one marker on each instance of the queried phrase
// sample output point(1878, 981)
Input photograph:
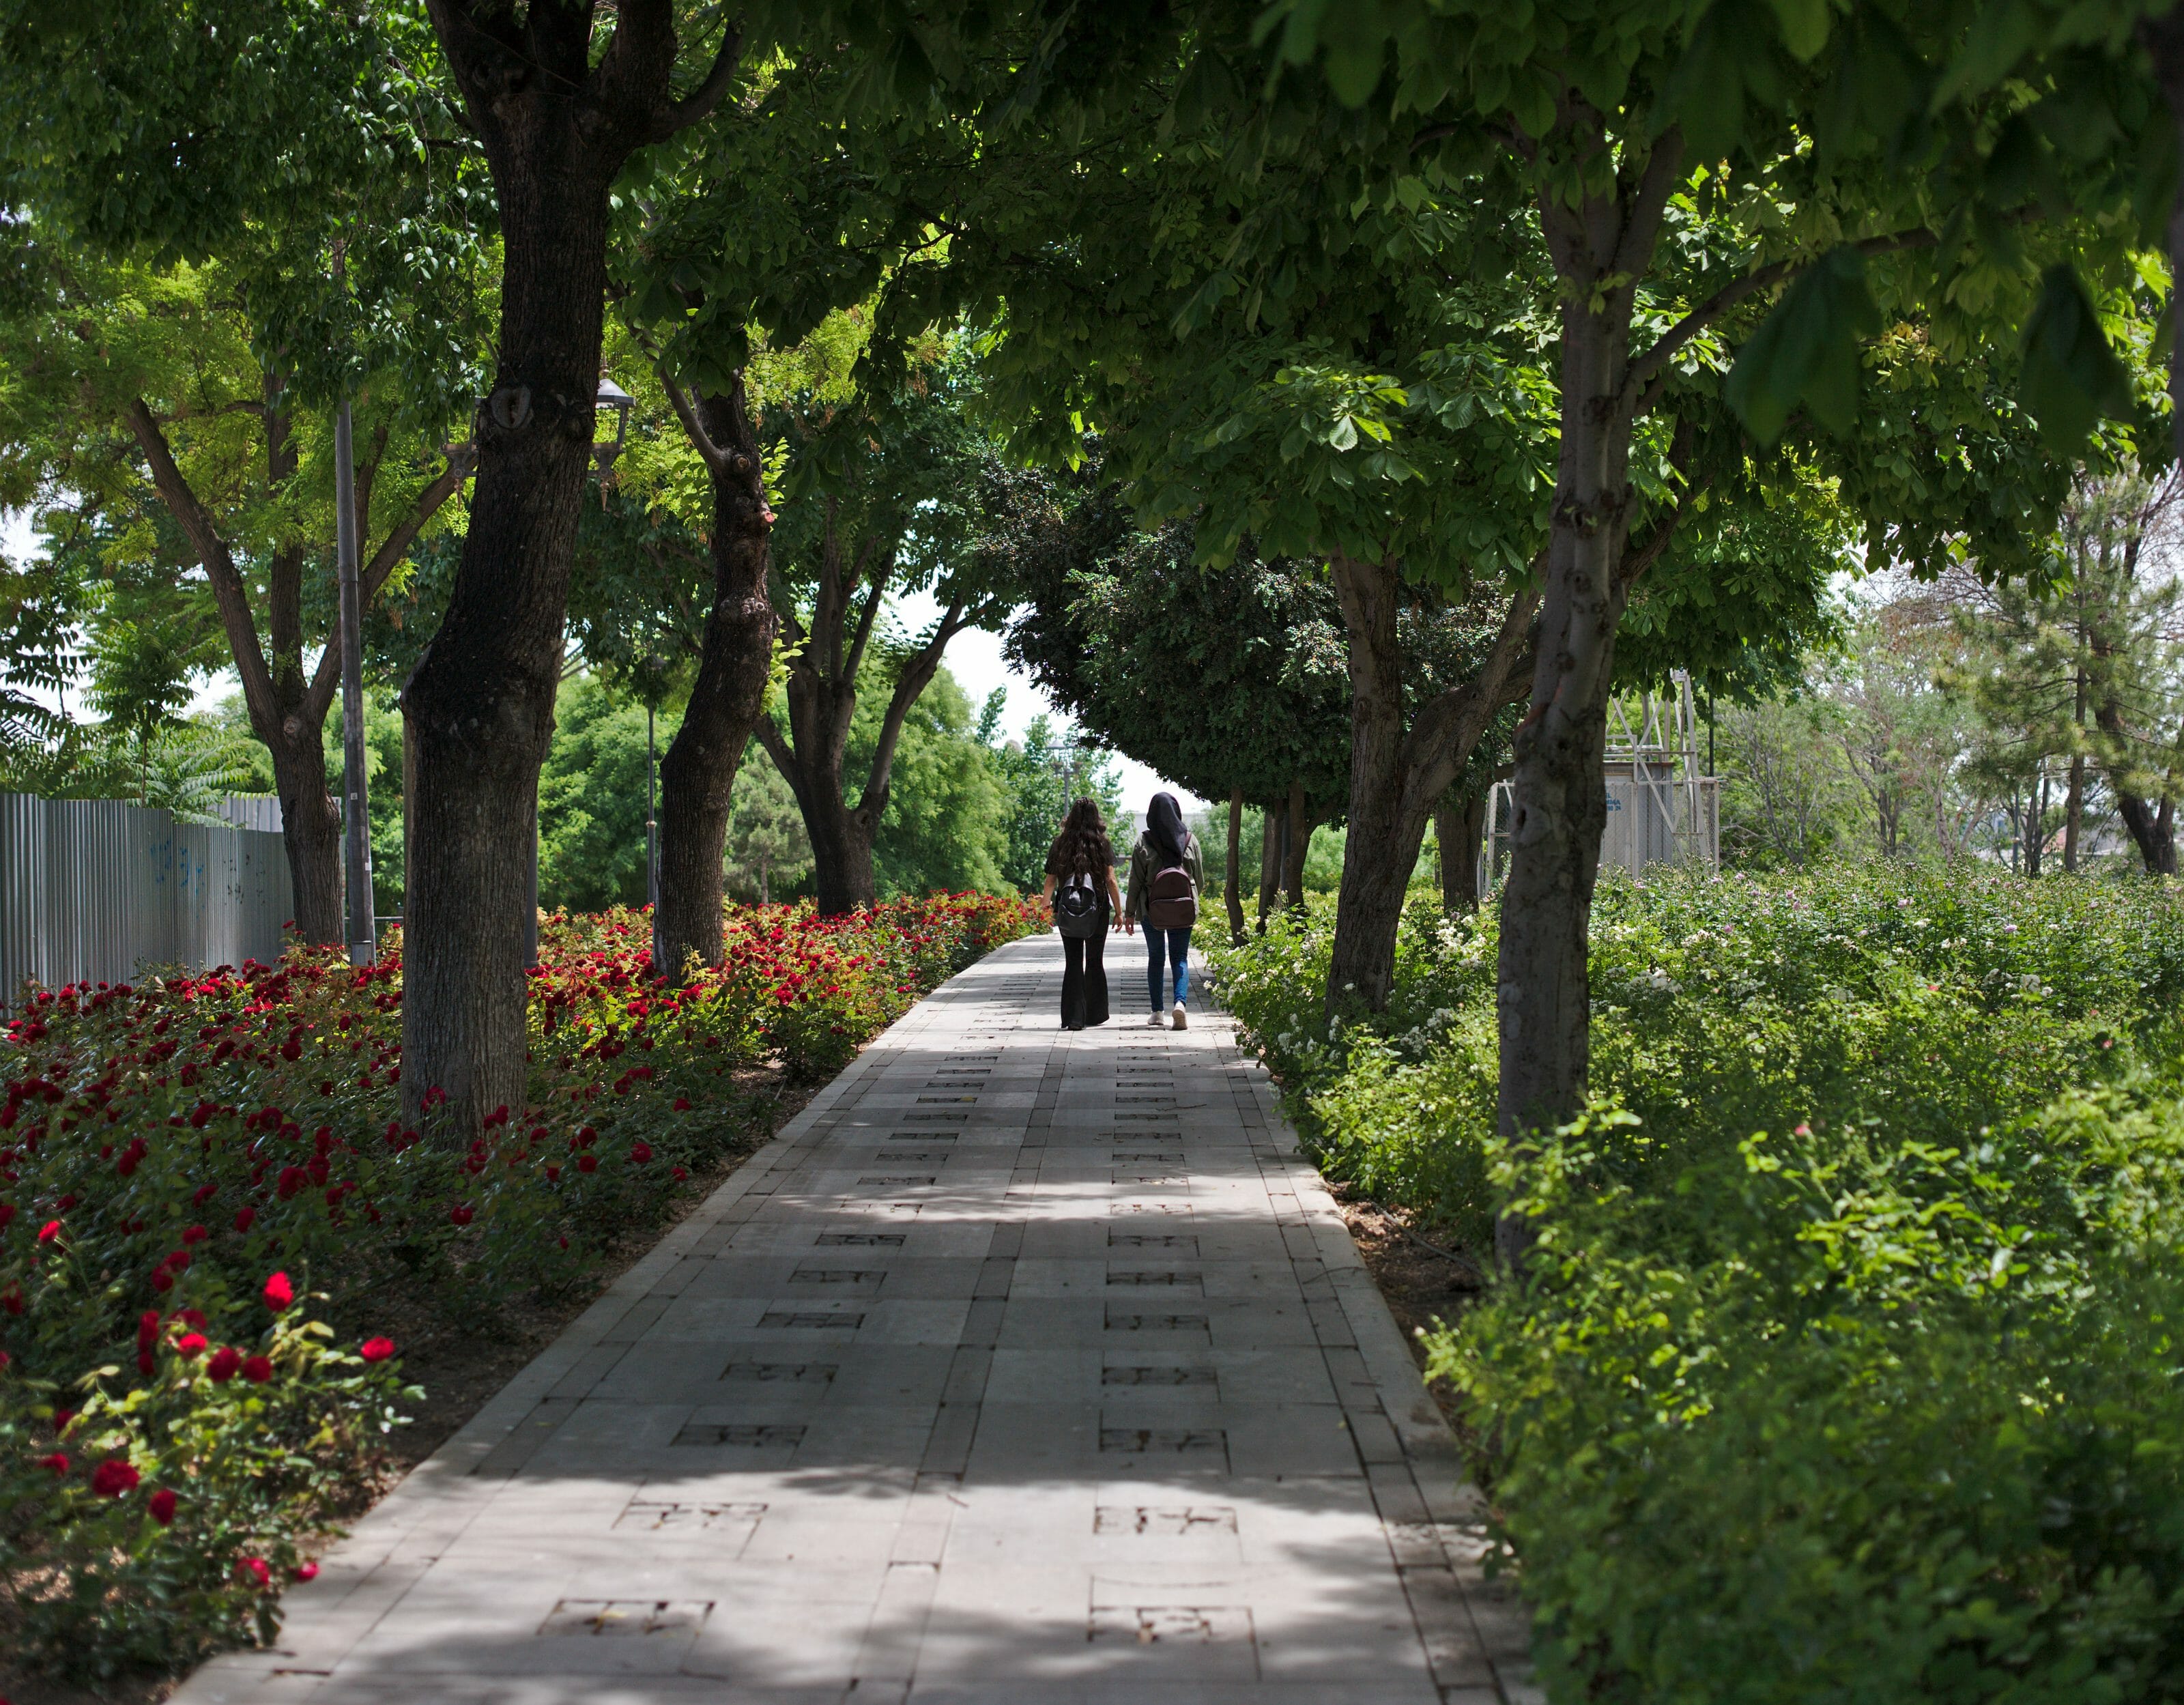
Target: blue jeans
point(1171, 946)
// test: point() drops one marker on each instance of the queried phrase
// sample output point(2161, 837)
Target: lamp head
point(612, 396)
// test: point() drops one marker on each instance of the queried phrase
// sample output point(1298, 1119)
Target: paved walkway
point(1025, 1368)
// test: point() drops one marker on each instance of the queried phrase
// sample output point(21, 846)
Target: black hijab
point(1164, 828)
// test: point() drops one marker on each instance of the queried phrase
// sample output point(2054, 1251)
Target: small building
point(1662, 807)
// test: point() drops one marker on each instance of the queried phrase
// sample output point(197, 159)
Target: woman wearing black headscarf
point(1168, 873)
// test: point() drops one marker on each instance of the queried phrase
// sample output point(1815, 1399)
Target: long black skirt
point(1084, 979)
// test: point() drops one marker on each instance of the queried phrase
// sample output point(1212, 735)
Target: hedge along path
point(1025, 1366)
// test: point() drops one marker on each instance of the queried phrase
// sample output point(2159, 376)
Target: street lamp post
point(362, 934)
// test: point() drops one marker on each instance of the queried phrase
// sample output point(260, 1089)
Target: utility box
point(1661, 809)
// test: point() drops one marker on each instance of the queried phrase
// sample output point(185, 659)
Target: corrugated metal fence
point(97, 890)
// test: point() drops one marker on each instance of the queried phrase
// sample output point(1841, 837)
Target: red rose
point(682, 1104)
point(253, 1572)
point(192, 1344)
point(161, 1505)
point(224, 1361)
point(49, 1231)
point(278, 1292)
point(148, 1328)
point(57, 1462)
point(640, 1152)
point(245, 1218)
point(292, 1180)
point(588, 1162)
point(306, 1571)
point(203, 1194)
point(257, 1369)
point(460, 1214)
point(196, 1234)
point(376, 1349)
point(145, 1364)
point(114, 1478)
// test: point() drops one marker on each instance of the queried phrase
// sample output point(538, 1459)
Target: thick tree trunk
point(1459, 828)
point(311, 830)
point(556, 114)
point(1235, 875)
point(1385, 830)
point(698, 776)
point(479, 704)
point(2152, 832)
point(1396, 774)
point(1560, 805)
point(1298, 846)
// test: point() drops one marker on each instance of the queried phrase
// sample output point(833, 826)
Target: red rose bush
point(197, 1171)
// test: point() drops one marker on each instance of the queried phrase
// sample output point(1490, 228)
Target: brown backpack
point(1171, 898)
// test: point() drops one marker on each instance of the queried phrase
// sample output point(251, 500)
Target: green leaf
point(1807, 351)
point(1805, 25)
point(1996, 41)
point(2070, 378)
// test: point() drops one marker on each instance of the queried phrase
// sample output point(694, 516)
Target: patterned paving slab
point(1025, 1368)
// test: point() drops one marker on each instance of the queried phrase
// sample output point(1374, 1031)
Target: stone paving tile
point(1024, 1367)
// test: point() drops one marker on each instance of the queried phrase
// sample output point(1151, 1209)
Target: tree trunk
point(311, 831)
point(556, 118)
point(1560, 809)
point(480, 704)
point(1385, 830)
point(1459, 828)
point(1235, 875)
point(1396, 775)
point(1270, 862)
point(1297, 846)
point(698, 776)
point(2074, 811)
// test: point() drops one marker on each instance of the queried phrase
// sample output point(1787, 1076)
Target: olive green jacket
point(1142, 865)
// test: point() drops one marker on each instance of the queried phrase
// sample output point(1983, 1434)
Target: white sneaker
point(1182, 1017)
point(1154, 1019)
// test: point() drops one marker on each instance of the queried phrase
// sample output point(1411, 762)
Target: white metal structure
point(1661, 808)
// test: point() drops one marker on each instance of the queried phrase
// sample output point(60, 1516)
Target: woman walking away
point(1168, 873)
point(1080, 886)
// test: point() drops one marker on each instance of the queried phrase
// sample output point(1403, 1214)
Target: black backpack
point(1077, 911)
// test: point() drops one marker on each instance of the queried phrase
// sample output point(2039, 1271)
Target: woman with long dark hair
point(1168, 873)
point(1080, 886)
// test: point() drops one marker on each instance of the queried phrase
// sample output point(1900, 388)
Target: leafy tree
point(2080, 672)
point(559, 106)
point(1611, 122)
point(146, 424)
point(945, 826)
point(888, 492)
point(1041, 775)
point(592, 801)
point(769, 855)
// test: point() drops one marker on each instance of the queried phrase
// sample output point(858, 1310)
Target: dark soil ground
point(1423, 1280)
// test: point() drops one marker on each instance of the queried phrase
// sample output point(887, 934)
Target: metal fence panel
point(97, 890)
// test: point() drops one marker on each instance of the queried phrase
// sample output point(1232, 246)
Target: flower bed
point(167, 1432)
point(1846, 1367)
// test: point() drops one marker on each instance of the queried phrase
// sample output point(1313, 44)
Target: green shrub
point(1846, 1368)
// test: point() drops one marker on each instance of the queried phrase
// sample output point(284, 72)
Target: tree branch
point(700, 103)
point(229, 594)
point(372, 575)
point(911, 681)
point(1665, 347)
point(868, 618)
point(720, 460)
